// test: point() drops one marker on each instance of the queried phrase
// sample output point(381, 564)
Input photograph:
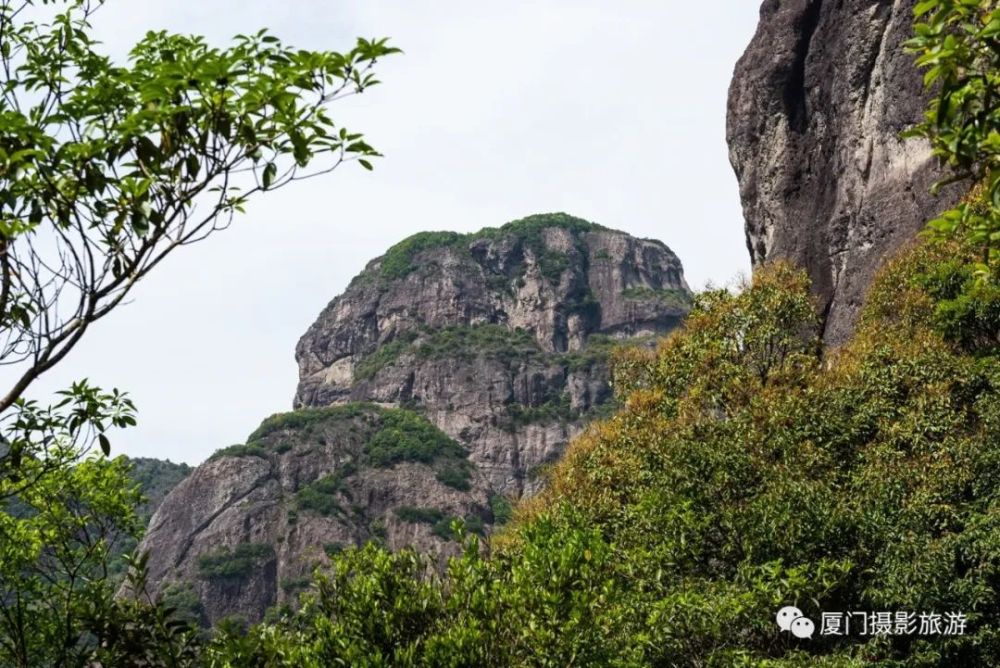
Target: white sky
point(613, 111)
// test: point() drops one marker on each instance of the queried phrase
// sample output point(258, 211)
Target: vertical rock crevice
point(794, 94)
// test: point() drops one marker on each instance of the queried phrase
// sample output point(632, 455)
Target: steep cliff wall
point(436, 387)
point(816, 108)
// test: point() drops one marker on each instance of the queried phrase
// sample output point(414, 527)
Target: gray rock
point(493, 346)
point(557, 279)
point(816, 108)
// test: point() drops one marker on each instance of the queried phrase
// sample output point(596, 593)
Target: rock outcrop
point(434, 389)
point(816, 108)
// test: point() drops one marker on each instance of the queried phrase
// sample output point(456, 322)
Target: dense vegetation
point(107, 167)
point(234, 564)
point(494, 342)
point(443, 526)
point(957, 44)
point(674, 297)
point(320, 496)
point(745, 472)
point(405, 436)
point(391, 436)
point(400, 259)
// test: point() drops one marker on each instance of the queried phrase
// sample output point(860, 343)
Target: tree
point(106, 169)
point(957, 42)
point(56, 539)
point(743, 473)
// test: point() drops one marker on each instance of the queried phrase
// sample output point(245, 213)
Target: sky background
point(610, 111)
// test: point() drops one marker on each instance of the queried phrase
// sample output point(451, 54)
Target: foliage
point(386, 437)
point(741, 474)
point(464, 342)
point(384, 355)
point(183, 602)
point(671, 296)
point(554, 408)
point(155, 478)
point(489, 341)
point(303, 418)
point(405, 436)
point(501, 508)
point(419, 515)
point(320, 496)
point(957, 42)
point(106, 169)
point(332, 549)
point(375, 608)
point(392, 434)
point(442, 526)
point(401, 259)
point(293, 585)
point(59, 537)
point(138, 630)
point(240, 450)
point(234, 563)
point(36, 440)
point(967, 305)
point(456, 475)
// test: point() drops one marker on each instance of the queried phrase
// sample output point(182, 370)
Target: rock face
point(435, 388)
point(477, 329)
point(816, 108)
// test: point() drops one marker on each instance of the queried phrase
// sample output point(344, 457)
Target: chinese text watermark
point(857, 623)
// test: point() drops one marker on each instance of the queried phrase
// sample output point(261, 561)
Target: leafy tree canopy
point(107, 168)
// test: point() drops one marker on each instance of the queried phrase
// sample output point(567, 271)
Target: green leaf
point(105, 444)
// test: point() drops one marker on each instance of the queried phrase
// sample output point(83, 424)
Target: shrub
point(234, 564)
point(182, 600)
point(441, 524)
point(553, 409)
point(419, 515)
point(669, 296)
point(383, 356)
point(378, 530)
point(399, 259)
point(320, 496)
point(238, 450)
point(405, 436)
point(303, 418)
point(501, 508)
point(333, 549)
point(293, 585)
point(456, 475)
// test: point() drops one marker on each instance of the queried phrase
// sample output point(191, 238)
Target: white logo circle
point(786, 616)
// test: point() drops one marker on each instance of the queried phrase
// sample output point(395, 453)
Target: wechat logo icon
point(791, 619)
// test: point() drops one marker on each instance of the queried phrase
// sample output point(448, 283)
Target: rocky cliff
point(816, 108)
point(435, 388)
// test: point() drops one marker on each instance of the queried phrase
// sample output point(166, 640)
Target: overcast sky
point(613, 111)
